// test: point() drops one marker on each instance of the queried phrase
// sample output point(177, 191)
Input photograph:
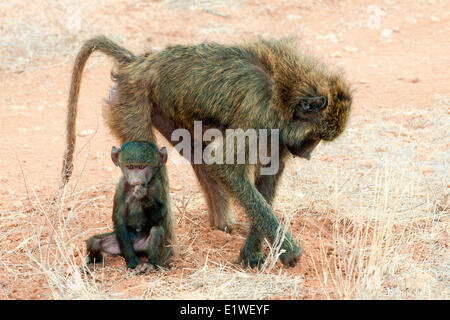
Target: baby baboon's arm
point(126, 246)
point(160, 209)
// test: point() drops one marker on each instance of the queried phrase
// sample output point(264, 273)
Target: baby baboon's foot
point(251, 259)
point(291, 255)
point(144, 268)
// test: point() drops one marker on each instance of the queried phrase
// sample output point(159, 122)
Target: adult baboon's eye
point(297, 112)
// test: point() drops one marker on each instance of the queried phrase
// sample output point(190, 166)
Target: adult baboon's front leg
point(258, 210)
point(252, 253)
point(267, 184)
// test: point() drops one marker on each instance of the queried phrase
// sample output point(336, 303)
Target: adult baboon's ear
point(162, 156)
point(115, 155)
point(313, 105)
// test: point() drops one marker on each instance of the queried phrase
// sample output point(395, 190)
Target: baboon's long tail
point(108, 47)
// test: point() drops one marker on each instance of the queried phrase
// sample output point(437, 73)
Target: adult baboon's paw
point(290, 257)
point(252, 259)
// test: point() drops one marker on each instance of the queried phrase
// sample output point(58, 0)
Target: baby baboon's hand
point(140, 192)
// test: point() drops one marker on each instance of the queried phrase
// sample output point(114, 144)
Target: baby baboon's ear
point(115, 155)
point(162, 156)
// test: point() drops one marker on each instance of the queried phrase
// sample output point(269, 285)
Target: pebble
point(177, 188)
point(85, 133)
point(350, 49)
point(376, 10)
point(293, 17)
point(329, 36)
point(386, 33)
point(336, 54)
point(16, 108)
point(374, 22)
point(435, 19)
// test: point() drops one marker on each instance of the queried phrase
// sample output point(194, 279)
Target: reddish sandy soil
point(403, 62)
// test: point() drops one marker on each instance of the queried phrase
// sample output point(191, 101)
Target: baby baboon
point(259, 85)
point(141, 224)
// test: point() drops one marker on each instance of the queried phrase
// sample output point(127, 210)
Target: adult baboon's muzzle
point(305, 149)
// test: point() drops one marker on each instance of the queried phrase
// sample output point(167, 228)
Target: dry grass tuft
point(388, 212)
point(53, 251)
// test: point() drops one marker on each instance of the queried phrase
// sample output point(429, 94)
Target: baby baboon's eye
point(131, 167)
point(142, 166)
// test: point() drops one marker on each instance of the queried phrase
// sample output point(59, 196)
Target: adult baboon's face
point(320, 115)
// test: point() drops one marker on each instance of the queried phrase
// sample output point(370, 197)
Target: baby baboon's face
point(138, 175)
point(139, 162)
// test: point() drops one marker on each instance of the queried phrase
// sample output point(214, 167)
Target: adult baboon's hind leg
point(220, 215)
point(128, 117)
